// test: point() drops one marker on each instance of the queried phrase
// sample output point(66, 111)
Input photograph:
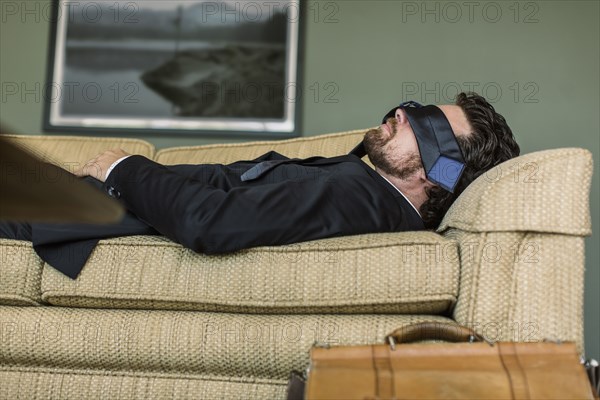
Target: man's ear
point(401, 117)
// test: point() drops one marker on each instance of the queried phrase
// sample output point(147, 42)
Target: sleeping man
point(424, 157)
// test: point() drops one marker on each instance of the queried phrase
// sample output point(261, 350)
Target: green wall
point(539, 61)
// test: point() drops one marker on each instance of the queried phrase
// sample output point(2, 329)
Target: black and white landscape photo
point(177, 64)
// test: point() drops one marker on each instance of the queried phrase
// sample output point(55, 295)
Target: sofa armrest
point(521, 286)
point(543, 191)
point(520, 230)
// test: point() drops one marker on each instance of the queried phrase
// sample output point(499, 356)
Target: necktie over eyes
point(441, 156)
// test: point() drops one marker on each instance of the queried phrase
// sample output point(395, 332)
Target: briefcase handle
point(430, 330)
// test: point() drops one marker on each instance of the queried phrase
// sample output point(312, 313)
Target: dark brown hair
point(491, 143)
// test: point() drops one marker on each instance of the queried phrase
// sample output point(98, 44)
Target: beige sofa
point(149, 319)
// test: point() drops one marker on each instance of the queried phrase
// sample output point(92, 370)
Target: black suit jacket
point(214, 208)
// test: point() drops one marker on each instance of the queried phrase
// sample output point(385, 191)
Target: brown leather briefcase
point(475, 369)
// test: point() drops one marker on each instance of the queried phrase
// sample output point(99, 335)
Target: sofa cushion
point(544, 191)
point(20, 273)
point(180, 344)
point(409, 272)
point(39, 382)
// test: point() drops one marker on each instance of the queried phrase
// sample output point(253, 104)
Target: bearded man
point(424, 157)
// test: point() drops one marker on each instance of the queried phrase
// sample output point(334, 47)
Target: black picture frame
point(87, 91)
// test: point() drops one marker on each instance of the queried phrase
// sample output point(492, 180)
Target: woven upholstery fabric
point(20, 273)
point(51, 384)
point(173, 343)
point(521, 286)
point(408, 272)
point(323, 145)
point(71, 152)
point(150, 319)
point(20, 268)
point(544, 191)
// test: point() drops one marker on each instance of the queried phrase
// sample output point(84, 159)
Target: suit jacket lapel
point(263, 167)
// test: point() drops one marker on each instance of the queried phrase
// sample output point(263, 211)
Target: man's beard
point(399, 166)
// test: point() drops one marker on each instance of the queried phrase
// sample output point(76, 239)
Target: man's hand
point(97, 167)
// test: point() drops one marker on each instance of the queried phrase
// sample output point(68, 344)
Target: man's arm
point(211, 220)
point(113, 165)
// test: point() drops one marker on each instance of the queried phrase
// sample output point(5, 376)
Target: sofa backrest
point(72, 151)
point(322, 145)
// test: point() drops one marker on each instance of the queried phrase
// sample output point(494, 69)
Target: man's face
point(392, 147)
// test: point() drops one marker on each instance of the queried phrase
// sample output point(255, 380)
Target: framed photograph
point(175, 67)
